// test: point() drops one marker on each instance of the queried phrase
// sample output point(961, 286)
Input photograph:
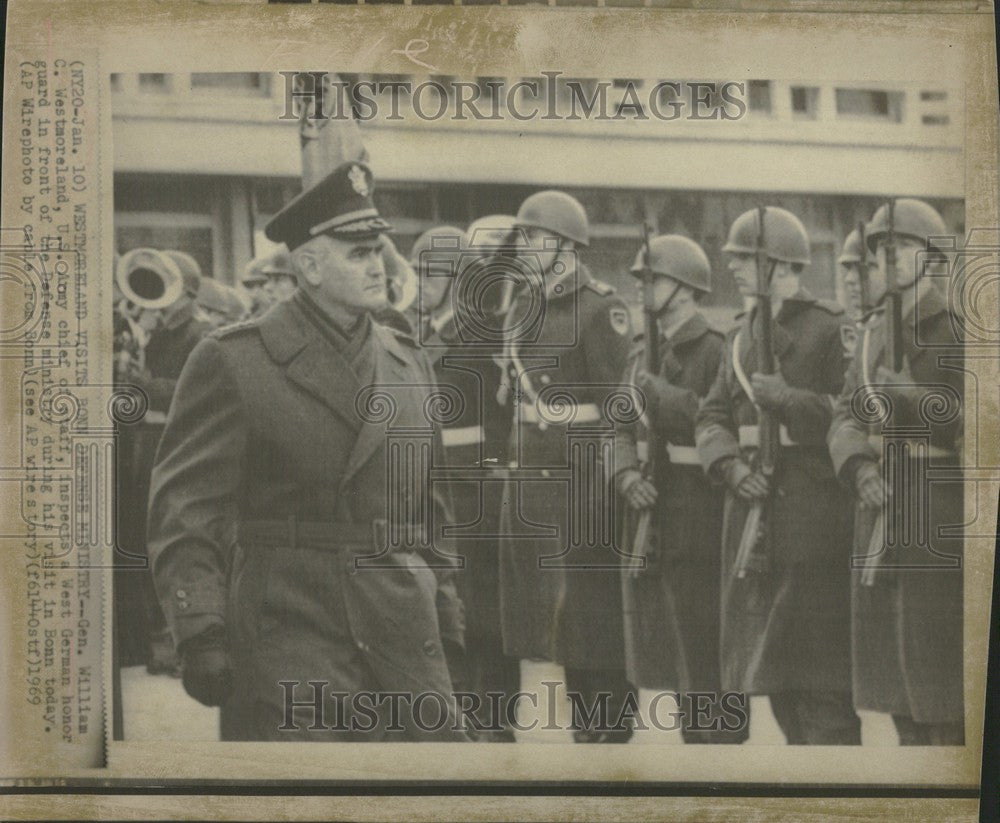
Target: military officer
point(290, 540)
point(907, 617)
point(786, 626)
point(567, 337)
point(672, 606)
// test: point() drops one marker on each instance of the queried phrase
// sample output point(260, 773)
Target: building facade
point(203, 160)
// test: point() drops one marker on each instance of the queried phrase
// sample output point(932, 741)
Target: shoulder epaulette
point(234, 328)
point(600, 287)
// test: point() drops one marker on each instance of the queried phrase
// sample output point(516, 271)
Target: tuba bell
point(149, 279)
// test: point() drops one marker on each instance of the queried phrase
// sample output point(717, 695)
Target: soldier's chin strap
point(666, 303)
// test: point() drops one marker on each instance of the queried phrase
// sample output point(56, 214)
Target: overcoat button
point(181, 594)
point(183, 605)
point(430, 648)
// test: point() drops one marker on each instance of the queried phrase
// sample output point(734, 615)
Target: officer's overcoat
point(269, 484)
point(672, 607)
point(907, 628)
point(560, 593)
point(788, 627)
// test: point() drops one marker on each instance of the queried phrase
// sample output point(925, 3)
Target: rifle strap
point(634, 394)
point(741, 375)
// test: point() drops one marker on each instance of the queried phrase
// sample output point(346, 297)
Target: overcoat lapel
point(309, 359)
point(390, 378)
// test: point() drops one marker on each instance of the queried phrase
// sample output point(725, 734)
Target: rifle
point(893, 356)
point(765, 459)
point(866, 297)
point(644, 526)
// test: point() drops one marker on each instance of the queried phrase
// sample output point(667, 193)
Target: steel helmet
point(278, 263)
point(489, 232)
point(189, 269)
point(785, 237)
point(678, 258)
point(911, 218)
point(557, 212)
point(851, 253)
point(438, 239)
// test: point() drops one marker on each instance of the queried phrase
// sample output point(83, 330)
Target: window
point(116, 82)
point(933, 96)
point(870, 103)
point(759, 96)
point(250, 83)
point(804, 102)
point(154, 83)
point(161, 230)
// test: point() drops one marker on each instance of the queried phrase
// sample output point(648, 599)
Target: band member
point(906, 603)
point(785, 591)
point(219, 303)
point(293, 531)
point(672, 603)
point(567, 337)
point(166, 325)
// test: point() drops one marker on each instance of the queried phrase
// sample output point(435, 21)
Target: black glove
point(208, 671)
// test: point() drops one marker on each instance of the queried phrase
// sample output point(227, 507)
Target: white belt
point(679, 455)
point(750, 437)
point(924, 449)
point(462, 436)
point(683, 455)
point(569, 413)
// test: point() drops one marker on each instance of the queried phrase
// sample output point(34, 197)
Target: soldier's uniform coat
point(786, 629)
point(907, 629)
point(672, 606)
point(557, 501)
point(474, 437)
point(269, 481)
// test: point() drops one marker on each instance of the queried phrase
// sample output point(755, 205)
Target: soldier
point(288, 541)
point(850, 261)
point(907, 622)
point(433, 258)
point(452, 267)
point(171, 332)
point(280, 273)
point(672, 606)
point(567, 337)
point(254, 283)
point(785, 625)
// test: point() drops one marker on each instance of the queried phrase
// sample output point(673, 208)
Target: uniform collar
point(570, 285)
point(690, 330)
